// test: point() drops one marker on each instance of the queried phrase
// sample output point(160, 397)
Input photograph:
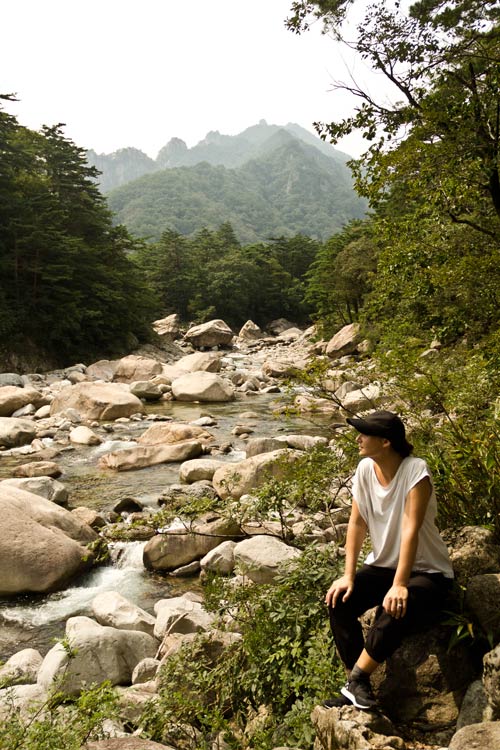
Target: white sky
point(139, 72)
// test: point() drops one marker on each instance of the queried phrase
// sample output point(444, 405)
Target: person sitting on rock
point(408, 573)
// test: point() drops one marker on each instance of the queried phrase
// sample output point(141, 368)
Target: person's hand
point(343, 586)
point(395, 601)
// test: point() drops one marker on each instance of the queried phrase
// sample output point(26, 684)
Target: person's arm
point(416, 504)
point(356, 533)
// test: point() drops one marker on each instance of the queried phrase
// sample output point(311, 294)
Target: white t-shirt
point(382, 509)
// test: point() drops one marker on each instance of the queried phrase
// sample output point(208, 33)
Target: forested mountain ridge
point(290, 188)
point(128, 164)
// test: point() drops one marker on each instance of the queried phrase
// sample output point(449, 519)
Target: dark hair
point(384, 424)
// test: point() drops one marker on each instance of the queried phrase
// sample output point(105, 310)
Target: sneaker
point(359, 693)
point(337, 702)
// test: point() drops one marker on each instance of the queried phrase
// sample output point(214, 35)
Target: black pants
point(427, 593)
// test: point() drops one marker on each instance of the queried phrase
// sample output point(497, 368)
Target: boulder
point(198, 469)
point(134, 367)
point(197, 491)
point(220, 560)
point(15, 431)
point(41, 545)
point(210, 334)
point(435, 679)
point(347, 728)
point(491, 681)
point(250, 331)
point(82, 435)
point(98, 653)
point(276, 369)
point(199, 361)
point(313, 405)
point(168, 328)
point(344, 342)
point(303, 442)
point(89, 516)
point(101, 401)
point(482, 598)
point(173, 432)
point(237, 479)
point(23, 699)
point(11, 378)
point(38, 469)
point(261, 558)
point(276, 327)
point(46, 487)
point(364, 398)
point(173, 549)
point(146, 390)
point(113, 609)
point(141, 456)
point(474, 553)
point(146, 670)
point(202, 386)
point(474, 708)
point(22, 667)
point(13, 398)
point(104, 369)
point(258, 445)
point(181, 615)
point(484, 736)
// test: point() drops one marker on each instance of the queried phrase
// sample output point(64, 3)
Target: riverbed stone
point(474, 552)
point(99, 401)
point(482, 599)
point(15, 431)
point(173, 549)
point(347, 728)
point(491, 681)
point(220, 560)
point(145, 671)
point(38, 469)
point(181, 615)
point(98, 653)
point(168, 328)
point(142, 456)
point(210, 334)
point(89, 516)
point(24, 699)
point(82, 435)
point(199, 361)
point(174, 432)
point(44, 486)
point(41, 545)
point(261, 558)
point(113, 609)
point(485, 736)
point(198, 468)
point(13, 398)
point(250, 331)
point(344, 341)
point(133, 368)
point(202, 386)
point(237, 479)
point(22, 668)
point(257, 445)
point(146, 390)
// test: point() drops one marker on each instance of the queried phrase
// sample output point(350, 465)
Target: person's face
point(371, 445)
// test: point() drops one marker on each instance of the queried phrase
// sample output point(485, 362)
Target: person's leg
point(426, 593)
point(370, 586)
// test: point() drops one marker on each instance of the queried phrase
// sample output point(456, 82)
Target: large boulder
point(22, 668)
point(112, 609)
point(134, 367)
point(15, 431)
point(347, 728)
point(125, 743)
point(38, 469)
point(168, 328)
point(206, 361)
point(491, 681)
point(97, 401)
point(435, 679)
point(98, 653)
point(202, 386)
point(250, 331)
point(482, 598)
point(345, 341)
point(141, 456)
point(364, 398)
point(13, 398)
point(41, 544)
point(261, 558)
point(237, 479)
point(474, 553)
point(173, 432)
point(210, 334)
point(485, 736)
point(181, 615)
point(198, 469)
point(44, 486)
point(173, 549)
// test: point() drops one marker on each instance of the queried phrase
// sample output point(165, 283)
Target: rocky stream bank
point(90, 453)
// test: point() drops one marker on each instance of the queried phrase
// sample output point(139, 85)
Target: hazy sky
point(138, 72)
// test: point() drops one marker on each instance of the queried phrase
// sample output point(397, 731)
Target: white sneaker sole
point(345, 692)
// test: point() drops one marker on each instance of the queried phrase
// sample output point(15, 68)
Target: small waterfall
point(125, 575)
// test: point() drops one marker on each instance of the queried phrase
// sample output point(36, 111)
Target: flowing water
point(34, 621)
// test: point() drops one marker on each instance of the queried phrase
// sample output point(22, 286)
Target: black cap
point(384, 424)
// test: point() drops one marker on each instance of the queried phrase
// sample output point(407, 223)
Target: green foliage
point(68, 286)
point(290, 188)
point(282, 661)
point(59, 722)
point(211, 275)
